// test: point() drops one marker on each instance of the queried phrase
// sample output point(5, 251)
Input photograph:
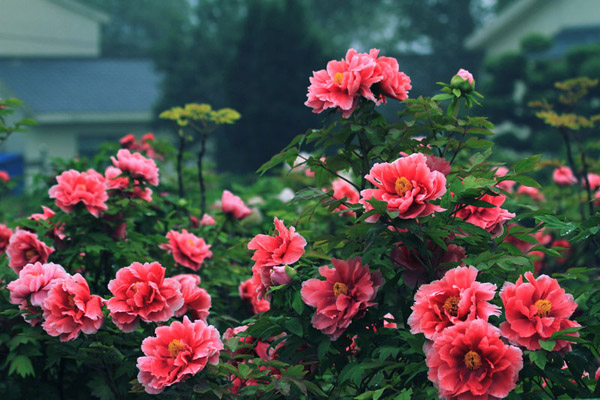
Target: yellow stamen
point(338, 78)
point(191, 242)
point(175, 347)
point(451, 305)
point(472, 360)
point(81, 186)
point(340, 288)
point(71, 300)
point(402, 186)
point(543, 308)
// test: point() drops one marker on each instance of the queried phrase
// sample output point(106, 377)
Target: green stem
point(200, 174)
point(180, 164)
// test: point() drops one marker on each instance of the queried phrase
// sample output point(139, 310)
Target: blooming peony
point(33, 285)
point(188, 249)
point(177, 352)
point(342, 189)
point(490, 219)
point(233, 205)
point(207, 220)
point(248, 292)
point(469, 361)
point(196, 300)
point(137, 166)
point(141, 291)
point(75, 187)
point(455, 298)
point(535, 309)
point(594, 180)
point(25, 248)
point(348, 290)
point(563, 176)
point(285, 248)
point(69, 309)
point(407, 185)
point(5, 234)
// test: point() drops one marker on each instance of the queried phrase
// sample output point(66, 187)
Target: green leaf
point(441, 97)
point(566, 331)
point(22, 365)
point(547, 344)
point(526, 164)
point(406, 394)
point(456, 92)
point(297, 303)
point(294, 326)
point(323, 348)
point(538, 358)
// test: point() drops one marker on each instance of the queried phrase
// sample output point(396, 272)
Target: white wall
point(43, 28)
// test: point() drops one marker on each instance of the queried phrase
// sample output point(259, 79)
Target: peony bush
point(371, 259)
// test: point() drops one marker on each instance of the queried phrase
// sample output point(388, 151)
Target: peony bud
point(463, 80)
point(282, 275)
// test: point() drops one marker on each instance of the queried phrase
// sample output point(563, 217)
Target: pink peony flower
point(74, 187)
point(490, 219)
point(407, 185)
point(279, 276)
point(32, 287)
point(439, 164)
point(387, 323)
point(395, 84)
point(141, 291)
point(455, 298)
point(25, 248)
point(466, 75)
point(233, 205)
point(563, 176)
point(69, 309)
point(507, 186)
point(594, 180)
point(177, 352)
point(5, 234)
point(137, 166)
point(207, 220)
point(248, 292)
point(197, 301)
point(188, 249)
point(4, 176)
point(470, 361)
point(285, 248)
point(342, 189)
point(194, 221)
point(532, 192)
point(349, 289)
point(415, 273)
point(535, 309)
point(128, 141)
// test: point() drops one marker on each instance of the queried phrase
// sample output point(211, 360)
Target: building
point(50, 59)
point(568, 21)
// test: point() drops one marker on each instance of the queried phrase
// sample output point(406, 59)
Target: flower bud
point(463, 80)
point(282, 275)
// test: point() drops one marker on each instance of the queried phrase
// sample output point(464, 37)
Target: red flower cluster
point(491, 219)
point(188, 249)
point(130, 142)
point(137, 166)
point(366, 75)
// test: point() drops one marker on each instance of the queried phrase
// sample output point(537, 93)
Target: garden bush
point(370, 260)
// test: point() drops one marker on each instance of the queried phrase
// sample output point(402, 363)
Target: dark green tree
point(267, 83)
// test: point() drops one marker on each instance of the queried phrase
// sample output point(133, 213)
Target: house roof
point(62, 86)
point(508, 17)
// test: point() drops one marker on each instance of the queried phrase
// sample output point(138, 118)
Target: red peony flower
point(285, 248)
point(74, 187)
point(455, 298)
point(188, 249)
point(490, 219)
point(233, 205)
point(415, 273)
point(348, 290)
point(196, 300)
point(4, 176)
point(594, 180)
point(532, 192)
point(535, 309)
point(128, 141)
point(5, 234)
point(563, 176)
point(388, 321)
point(70, 309)
point(25, 248)
point(137, 166)
point(395, 84)
point(142, 292)
point(33, 285)
point(342, 189)
point(177, 352)
point(248, 292)
point(407, 185)
point(469, 361)
point(207, 220)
